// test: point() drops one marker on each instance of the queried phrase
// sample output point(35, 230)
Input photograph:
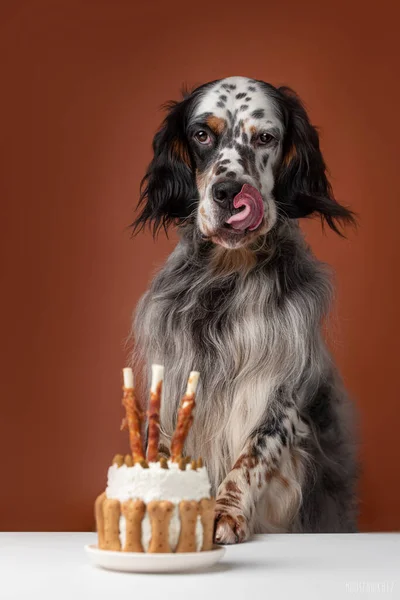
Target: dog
point(236, 164)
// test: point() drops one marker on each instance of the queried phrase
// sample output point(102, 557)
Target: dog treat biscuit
point(99, 516)
point(111, 514)
point(133, 511)
point(163, 462)
point(118, 460)
point(160, 513)
point(188, 511)
point(128, 460)
point(207, 506)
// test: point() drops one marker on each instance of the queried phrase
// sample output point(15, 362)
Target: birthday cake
point(153, 503)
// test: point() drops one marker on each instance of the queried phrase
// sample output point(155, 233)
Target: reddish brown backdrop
point(82, 83)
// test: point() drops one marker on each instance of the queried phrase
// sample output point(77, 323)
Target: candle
point(154, 412)
point(185, 417)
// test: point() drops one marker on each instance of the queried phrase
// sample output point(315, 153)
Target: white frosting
point(155, 483)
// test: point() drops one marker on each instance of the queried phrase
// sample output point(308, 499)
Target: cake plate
point(143, 562)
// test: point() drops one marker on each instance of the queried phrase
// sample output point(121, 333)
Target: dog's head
point(233, 157)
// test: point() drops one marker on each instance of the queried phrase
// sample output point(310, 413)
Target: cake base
point(140, 562)
point(162, 508)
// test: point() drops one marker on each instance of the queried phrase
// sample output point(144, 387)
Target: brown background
point(81, 87)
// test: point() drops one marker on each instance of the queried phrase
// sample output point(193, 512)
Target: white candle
point(128, 377)
point(157, 375)
point(192, 383)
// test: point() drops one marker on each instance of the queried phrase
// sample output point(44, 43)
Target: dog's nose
point(225, 191)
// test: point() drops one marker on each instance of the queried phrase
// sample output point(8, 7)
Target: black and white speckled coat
point(244, 308)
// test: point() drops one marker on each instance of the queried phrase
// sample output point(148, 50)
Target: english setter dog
point(241, 299)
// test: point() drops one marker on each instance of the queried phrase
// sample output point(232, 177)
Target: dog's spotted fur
point(272, 419)
point(237, 115)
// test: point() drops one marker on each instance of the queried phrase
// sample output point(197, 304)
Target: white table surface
point(54, 566)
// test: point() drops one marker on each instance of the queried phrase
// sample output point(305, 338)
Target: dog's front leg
point(269, 467)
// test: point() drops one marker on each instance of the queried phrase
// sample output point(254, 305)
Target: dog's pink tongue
point(252, 214)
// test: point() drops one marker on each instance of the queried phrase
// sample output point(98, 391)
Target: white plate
point(142, 562)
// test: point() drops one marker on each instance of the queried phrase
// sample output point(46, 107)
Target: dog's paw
point(230, 528)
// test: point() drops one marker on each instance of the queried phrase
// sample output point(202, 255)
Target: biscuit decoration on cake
point(128, 518)
point(99, 516)
point(111, 515)
point(128, 460)
point(163, 462)
point(207, 506)
point(188, 511)
point(118, 460)
point(133, 511)
point(160, 512)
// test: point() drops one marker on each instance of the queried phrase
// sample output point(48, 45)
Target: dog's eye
point(265, 138)
point(202, 137)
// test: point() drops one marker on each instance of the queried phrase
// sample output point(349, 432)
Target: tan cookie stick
point(133, 417)
point(188, 511)
point(207, 506)
point(133, 511)
point(185, 417)
point(160, 513)
point(154, 412)
point(111, 515)
point(99, 515)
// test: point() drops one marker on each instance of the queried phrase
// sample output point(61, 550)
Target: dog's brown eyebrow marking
point(179, 149)
point(216, 124)
point(290, 155)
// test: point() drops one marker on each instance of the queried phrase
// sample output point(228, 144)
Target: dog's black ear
point(168, 189)
point(302, 188)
